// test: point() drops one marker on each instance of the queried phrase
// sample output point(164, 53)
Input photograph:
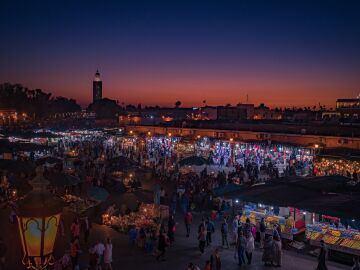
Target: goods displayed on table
point(117, 174)
point(77, 204)
point(72, 153)
point(348, 168)
point(185, 149)
point(346, 238)
point(148, 216)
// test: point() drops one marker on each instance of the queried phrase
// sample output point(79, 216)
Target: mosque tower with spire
point(97, 87)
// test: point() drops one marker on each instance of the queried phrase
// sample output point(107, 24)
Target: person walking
point(92, 259)
point(322, 256)
point(202, 238)
point(253, 231)
point(224, 233)
point(74, 253)
point(247, 228)
point(250, 247)
point(108, 254)
point(215, 260)
point(62, 226)
point(148, 241)
point(235, 225)
point(75, 229)
point(188, 221)
point(240, 248)
point(262, 228)
point(99, 248)
point(209, 231)
point(86, 226)
point(132, 234)
point(356, 265)
point(173, 204)
point(268, 253)
point(207, 265)
point(276, 248)
point(162, 196)
point(161, 246)
point(171, 230)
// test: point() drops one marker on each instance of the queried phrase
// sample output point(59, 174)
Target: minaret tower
point(97, 87)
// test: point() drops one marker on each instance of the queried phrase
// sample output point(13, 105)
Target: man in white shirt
point(99, 249)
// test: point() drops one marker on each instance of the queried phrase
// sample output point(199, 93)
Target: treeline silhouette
point(34, 102)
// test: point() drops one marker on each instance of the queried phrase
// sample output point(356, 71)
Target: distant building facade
point(349, 109)
point(265, 113)
point(97, 87)
point(209, 113)
point(235, 113)
point(348, 103)
point(10, 117)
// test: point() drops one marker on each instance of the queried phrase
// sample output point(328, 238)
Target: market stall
point(291, 223)
point(338, 239)
point(79, 205)
point(125, 181)
point(337, 166)
point(147, 217)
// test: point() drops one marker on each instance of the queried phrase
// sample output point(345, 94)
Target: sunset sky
point(282, 53)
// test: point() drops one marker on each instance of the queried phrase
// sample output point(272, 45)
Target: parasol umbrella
point(120, 164)
point(17, 166)
point(31, 134)
point(9, 147)
point(97, 193)
point(193, 160)
point(22, 185)
point(49, 160)
point(61, 179)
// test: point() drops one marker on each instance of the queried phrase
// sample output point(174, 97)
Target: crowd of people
point(99, 254)
point(87, 159)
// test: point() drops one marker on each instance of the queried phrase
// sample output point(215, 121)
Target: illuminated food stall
point(148, 216)
point(291, 223)
point(331, 166)
point(311, 201)
point(339, 239)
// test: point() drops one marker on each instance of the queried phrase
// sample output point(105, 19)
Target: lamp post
point(38, 220)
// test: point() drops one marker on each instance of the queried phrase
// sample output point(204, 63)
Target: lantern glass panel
point(32, 233)
point(51, 226)
point(21, 233)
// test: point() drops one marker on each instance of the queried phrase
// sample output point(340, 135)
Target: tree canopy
point(105, 108)
point(35, 102)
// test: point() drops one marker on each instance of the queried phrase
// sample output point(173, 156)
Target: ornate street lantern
point(38, 219)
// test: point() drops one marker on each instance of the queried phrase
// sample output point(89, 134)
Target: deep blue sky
point(155, 52)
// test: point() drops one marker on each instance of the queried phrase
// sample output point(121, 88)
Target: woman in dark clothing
point(161, 247)
point(171, 229)
point(322, 257)
point(215, 260)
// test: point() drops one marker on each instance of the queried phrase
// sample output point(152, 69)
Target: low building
point(348, 103)
point(349, 109)
point(265, 113)
point(330, 115)
point(209, 113)
point(83, 114)
point(10, 117)
point(235, 113)
point(131, 118)
point(204, 113)
point(301, 115)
